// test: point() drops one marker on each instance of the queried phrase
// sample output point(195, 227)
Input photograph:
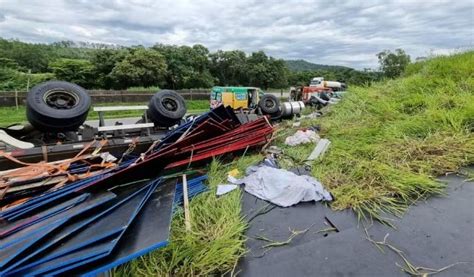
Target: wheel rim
point(269, 103)
point(61, 99)
point(169, 104)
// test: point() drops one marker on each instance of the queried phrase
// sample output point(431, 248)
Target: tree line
point(99, 66)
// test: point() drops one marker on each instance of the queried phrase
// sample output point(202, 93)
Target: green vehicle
point(246, 98)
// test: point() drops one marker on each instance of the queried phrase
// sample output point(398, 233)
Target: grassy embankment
point(389, 142)
point(10, 115)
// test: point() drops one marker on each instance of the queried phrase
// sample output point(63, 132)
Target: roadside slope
point(390, 140)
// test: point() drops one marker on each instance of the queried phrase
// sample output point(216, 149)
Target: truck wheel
point(269, 104)
point(166, 108)
point(57, 106)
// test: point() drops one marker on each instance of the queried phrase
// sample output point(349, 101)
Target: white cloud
point(329, 32)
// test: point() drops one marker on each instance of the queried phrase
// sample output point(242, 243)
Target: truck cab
point(246, 100)
point(236, 97)
point(321, 83)
point(316, 82)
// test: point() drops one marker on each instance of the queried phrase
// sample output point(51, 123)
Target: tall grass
point(391, 140)
point(216, 241)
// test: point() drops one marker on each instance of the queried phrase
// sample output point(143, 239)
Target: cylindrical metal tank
point(291, 108)
point(332, 84)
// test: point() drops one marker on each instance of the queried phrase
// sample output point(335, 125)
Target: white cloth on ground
point(223, 189)
point(301, 137)
point(282, 187)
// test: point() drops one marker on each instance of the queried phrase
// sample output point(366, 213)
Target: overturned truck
point(57, 128)
point(319, 92)
point(248, 101)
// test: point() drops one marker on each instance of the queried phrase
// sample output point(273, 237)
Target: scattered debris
point(271, 161)
point(326, 230)
point(196, 186)
point(316, 128)
point(313, 115)
point(273, 150)
point(301, 170)
point(331, 223)
point(302, 137)
point(273, 243)
point(223, 189)
point(234, 172)
point(187, 216)
point(82, 209)
point(282, 187)
point(319, 150)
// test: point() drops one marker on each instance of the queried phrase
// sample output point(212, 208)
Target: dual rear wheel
point(58, 106)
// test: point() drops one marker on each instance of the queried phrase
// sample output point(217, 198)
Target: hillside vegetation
point(99, 66)
point(389, 143)
point(302, 65)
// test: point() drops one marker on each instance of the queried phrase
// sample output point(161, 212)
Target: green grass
point(144, 89)
point(10, 115)
point(216, 240)
point(389, 142)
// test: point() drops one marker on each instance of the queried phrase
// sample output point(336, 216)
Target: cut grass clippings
point(407, 266)
point(389, 143)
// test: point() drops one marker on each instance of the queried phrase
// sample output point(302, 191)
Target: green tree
point(11, 79)
point(76, 71)
point(300, 78)
point(8, 63)
point(141, 67)
point(392, 64)
point(104, 61)
point(188, 67)
point(265, 72)
point(229, 67)
point(28, 56)
point(279, 73)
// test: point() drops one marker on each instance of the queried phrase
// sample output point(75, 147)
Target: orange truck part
point(309, 91)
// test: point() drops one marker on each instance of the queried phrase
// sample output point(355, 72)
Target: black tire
point(57, 106)
point(269, 104)
point(166, 108)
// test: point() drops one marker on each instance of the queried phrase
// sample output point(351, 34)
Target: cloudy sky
point(328, 32)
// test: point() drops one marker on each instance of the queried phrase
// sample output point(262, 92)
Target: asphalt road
point(435, 233)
